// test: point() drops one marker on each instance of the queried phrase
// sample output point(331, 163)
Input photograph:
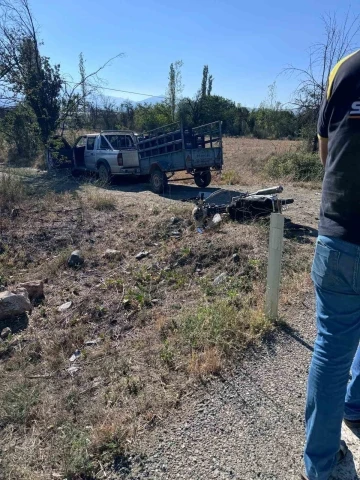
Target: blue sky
point(245, 43)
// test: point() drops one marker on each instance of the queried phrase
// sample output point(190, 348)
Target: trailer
point(173, 148)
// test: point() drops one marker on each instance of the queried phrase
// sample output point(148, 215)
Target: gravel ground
point(247, 426)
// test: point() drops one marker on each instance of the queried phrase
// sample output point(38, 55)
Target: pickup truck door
point(90, 152)
point(129, 152)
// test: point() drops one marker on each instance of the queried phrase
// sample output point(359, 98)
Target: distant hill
point(119, 100)
point(152, 100)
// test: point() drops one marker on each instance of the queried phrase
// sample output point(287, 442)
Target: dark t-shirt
point(339, 121)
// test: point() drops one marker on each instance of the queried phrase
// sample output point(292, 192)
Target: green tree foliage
point(20, 129)
point(175, 87)
point(148, 117)
point(204, 81)
point(24, 73)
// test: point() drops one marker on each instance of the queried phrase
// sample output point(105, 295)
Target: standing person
point(336, 276)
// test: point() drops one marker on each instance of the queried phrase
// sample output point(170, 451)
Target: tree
point(175, 87)
point(204, 81)
point(24, 72)
point(210, 85)
point(339, 40)
point(84, 89)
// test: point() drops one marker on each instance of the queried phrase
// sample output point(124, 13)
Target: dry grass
point(157, 324)
point(245, 158)
point(101, 200)
point(12, 190)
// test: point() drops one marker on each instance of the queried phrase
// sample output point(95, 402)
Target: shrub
point(20, 129)
point(299, 166)
point(12, 190)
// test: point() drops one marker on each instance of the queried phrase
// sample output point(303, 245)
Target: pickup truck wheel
point(203, 178)
point(158, 181)
point(104, 173)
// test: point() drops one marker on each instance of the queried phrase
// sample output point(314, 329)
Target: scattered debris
point(14, 212)
point(113, 254)
point(90, 343)
point(75, 356)
point(75, 259)
point(215, 222)
point(175, 233)
point(174, 220)
point(220, 279)
point(64, 307)
point(72, 370)
point(14, 304)
point(5, 333)
point(35, 289)
point(142, 255)
point(236, 258)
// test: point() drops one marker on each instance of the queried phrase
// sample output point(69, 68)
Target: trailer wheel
point(158, 181)
point(202, 178)
point(104, 173)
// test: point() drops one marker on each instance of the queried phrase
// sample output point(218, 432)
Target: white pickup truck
point(108, 154)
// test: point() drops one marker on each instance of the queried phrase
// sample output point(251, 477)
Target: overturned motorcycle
point(245, 206)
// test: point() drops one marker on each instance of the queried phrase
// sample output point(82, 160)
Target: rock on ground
point(13, 304)
point(5, 332)
point(113, 254)
point(75, 259)
point(64, 307)
point(35, 289)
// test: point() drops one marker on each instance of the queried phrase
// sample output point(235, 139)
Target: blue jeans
point(336, 276)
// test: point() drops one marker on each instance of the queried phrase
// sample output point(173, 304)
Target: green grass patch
point(299, 166)
point(17, 405)
point(222, 325)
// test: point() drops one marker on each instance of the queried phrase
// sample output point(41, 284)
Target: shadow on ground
point(17, 324)
point(63, 181)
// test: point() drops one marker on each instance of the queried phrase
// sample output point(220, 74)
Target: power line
point(123, 91)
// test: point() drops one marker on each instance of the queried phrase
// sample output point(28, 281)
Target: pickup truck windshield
point(119, 142)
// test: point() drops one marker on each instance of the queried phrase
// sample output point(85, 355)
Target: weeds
point(18, 404)
point(75, 455)
point(167, 354)
point(102, 201)
point(12, 191)
point(220, 325)
point(231, 178)
point(299, 166)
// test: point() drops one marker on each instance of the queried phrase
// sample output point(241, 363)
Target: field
point(148, 331)
point(245, 158)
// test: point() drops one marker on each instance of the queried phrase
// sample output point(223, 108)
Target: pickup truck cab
point(108, 153)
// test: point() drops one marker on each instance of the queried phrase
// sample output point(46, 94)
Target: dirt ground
point(153, 395)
